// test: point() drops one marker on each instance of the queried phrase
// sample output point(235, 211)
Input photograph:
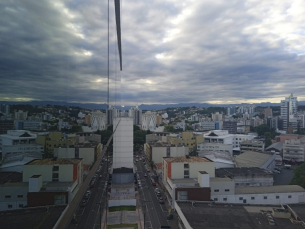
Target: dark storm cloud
point(193, 51)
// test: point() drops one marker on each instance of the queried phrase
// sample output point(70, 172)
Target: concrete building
point(199, 215)
point(252, 145)
point(211, 146)
point(5, 125)
point(231, 110)
point(217, 116)
point(246, 108)
point(272, 195)
point(28, 125)
point(4, 109)
point(289, 108)
point(53, 140)
point(98, 121)
point(231, 126)
point(123, 142)
point(157, 136)
point(88, 152)
point(244, 177)
point(206, 125)
point(188, 139)
point(268, 112)
point(21, 115)
point(223, 137)
point(155, 151)
point(256, 159)
point(149, 121)
point(187, 178)
point(136, 114)
point(86, 137)
point(293, 150)
point(111, 114)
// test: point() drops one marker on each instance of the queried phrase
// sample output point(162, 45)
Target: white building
point(111, 114)
point(136, 114)
point(223, 137)
point(98, 121)
point(156, 151)
point(219, 147)
point(273, 195)
point(289, 108)
point(246, 108)
point(294, 150)
point(123, 142)
point(88, 152)
point(21, 115)
point(13, 195)
point(149, 121)
point(207, 125)
point(217, 116)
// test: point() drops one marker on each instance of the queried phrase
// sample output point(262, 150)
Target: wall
point(13, 190)
point(198, 194)
point(66, 173)
point(222, 186)
point(123, 143)
point(44, 170)
point(259, 198)
point(45, 198)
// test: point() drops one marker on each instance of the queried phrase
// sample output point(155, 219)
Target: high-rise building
point(231, 126)
point(4, 108)
point(268, 112)
point(123, 142)
point(136, 114)
point(289, 108)
point(149, 121)
point(231, 110)
point(111, 114)
point(98, 121)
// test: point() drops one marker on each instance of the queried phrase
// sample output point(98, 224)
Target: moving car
point(83, 204)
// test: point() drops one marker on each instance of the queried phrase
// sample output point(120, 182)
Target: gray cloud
point(196, 51)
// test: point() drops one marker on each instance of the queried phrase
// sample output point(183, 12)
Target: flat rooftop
point(10, 177)
point(52, 161)
point(38, 217)
point(247, 171)
point(269, 189)
point(122, 191)
point(224, 216)
point(186, 159)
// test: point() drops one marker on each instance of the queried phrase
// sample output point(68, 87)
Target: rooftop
point(122, 191)
point(231, 172)
point(56, 161)
point(220, 179)
point(38, 217)
point(10, 177)
point(186, 159)
point(269, 189)
point(211, 216)
point(252, 159)
point(123, 170)
point(277, 145)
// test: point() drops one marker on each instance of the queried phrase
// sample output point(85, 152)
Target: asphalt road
point(155, 213)
point(89, 216)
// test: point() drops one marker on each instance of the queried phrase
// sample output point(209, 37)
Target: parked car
point(101, 176)
point(154, 183)
point(145, 175)
point(158, 193)
point(161, 201)
point(157, 190)
point(275, 171)
point(83, 203)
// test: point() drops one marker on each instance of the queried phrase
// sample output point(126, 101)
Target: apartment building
point(293, 150)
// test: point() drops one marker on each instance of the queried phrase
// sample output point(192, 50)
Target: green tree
point(169, 128)
point(76, 128)
point(299, 176)
point(139, 137)
point(135, 127)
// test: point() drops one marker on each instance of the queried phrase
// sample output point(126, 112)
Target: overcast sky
point(174, 51)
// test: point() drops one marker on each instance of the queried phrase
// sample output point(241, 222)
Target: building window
point(182, 195)
point(252, 198)
point(227, 190)
point(289, 196)
point(8, 196)
point(20, 196)
point(240, 198)
point(265, 197)
point(55, 168)
point(277, 197)
point(186, 166)
point(215, 199)
point(21, 205)
point(224, 199)
point(9, 206)
point(216, 190)
point(186, 174)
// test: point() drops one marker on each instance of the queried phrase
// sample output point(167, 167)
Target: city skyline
point(173, 52)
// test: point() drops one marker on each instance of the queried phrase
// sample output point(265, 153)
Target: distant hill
point(95, 106)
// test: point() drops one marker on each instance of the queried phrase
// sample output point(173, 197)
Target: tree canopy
point(299, 176)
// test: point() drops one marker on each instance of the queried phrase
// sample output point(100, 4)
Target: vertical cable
point(108, 60)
